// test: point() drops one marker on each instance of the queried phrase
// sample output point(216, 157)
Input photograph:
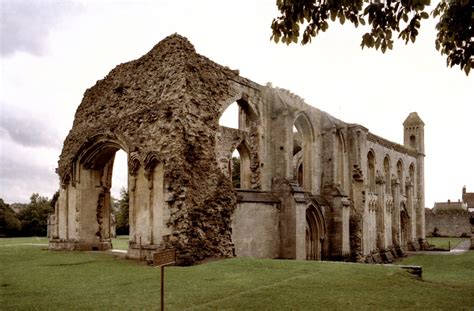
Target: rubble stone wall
point(447, 223)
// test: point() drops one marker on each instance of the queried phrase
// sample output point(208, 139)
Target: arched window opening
point(386, 168)
point(297, 156)
point(371, 171)
point(240, 167)
point(238, 115)
point(413, 141)
point(301, 151)
point(235, 169)
point(300, 174)
point(230, 117)
point(341, 159)
point(120, 198)
point(400, 176)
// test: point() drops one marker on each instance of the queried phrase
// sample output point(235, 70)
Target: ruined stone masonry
point(312, 186)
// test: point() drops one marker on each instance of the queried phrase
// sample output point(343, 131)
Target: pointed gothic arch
point(244, 167)
point(371, 170)
point(90, 194)
point(303, 125)
point(315, 233)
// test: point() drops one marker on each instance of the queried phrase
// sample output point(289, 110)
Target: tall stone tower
point(414, 137)
point(414, 132)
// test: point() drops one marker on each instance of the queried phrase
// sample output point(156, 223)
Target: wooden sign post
point(164, 258)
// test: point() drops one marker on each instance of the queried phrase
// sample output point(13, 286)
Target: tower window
point(413, 141)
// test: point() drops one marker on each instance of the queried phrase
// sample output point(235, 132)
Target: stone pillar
point(420, 219)
point(380, 212)
point(411, 213)
point(357, 210)
point(396, 213)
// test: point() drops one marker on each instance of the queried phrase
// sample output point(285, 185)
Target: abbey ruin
point(311, 185)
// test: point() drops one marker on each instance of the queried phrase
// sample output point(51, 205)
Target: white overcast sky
point(52, 50)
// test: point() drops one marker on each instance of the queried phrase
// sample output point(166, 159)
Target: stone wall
point(163, 110)
point(255, 230)
point(452, 223)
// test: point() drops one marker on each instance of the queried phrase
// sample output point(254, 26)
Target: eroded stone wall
point(163, 109)
point(167, 103)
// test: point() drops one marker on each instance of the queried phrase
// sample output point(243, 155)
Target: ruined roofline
point(232, 74)
point(391, 145)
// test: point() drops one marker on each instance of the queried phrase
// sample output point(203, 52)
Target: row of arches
point(374, 176)
point(240, 115)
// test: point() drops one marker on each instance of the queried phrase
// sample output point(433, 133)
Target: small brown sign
point(164, 257)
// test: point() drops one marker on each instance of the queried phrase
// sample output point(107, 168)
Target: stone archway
point(305, 131)
point(83, 211)
point(315, 233)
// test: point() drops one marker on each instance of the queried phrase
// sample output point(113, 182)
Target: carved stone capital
point(357, 174)
point(133, 163)
point(379, 178)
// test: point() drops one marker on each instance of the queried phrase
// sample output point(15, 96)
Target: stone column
point(420, 223)
point(380, 211)
point(411, 213)
point(357, 210)
point(396, 212)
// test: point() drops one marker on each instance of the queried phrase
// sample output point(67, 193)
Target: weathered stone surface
point(377, 258)
point(312, 186)
point(167, 102)
point(387, 256)
point(449, 222)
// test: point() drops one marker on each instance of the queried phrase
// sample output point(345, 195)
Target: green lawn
point(120, 242)
point(25, 241)
point(34, 278)
point(445, 243)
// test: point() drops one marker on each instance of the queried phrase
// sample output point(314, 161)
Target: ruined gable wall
point(168, 102)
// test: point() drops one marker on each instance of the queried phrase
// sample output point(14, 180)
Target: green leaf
point(377, 43)
point(467, 68)
point(342, 19)
point(424, 15)
point(276, 38)
point(405, 17)
point(390, 44)
point(361, 21)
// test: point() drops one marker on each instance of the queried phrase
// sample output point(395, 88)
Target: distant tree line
point(30, 219)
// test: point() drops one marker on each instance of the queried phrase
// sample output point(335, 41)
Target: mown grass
point(23, 240)
point(34, 278)
point(446, 243)
point(120, 242)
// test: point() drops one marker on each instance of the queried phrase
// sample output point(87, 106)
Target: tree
point(10, 225)
point(236, 172)
point(455, 27)
point(121, 213)
point(34, 216)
